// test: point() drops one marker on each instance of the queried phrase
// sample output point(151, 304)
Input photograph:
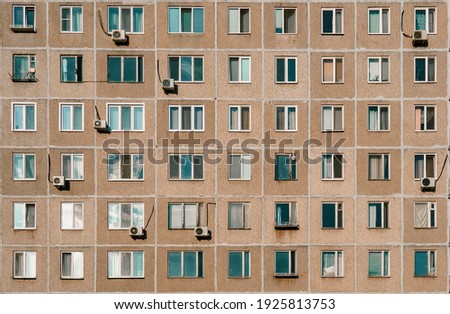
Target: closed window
point(424, 263)
point(239, 264)
point(126, 264)
point(24, 117)
point(332, 167)
point(183, 215)
point(186, 69)
point(125, 167)
point(125, 69)
point(332, 215)
point(186, 118)
point(24, 68)
point(72, 264)
point(378, 70)
point(126, 117)
point(285, 21)
point(333, 264)
point(286, 70)
point(285, 264)
point(71, 19)
point(239, 167)
point(72, 216)
point(332, 118)
point(286, 118)
point(425, 118)
point(185, 264)
point(286, 215)
point(378, 166)
point(72, 166)
point(125, 215)
point(129, 19)
point(71, 69)
point(425, 215)
point(424, 166)
point(379, 264)
point(378, 215)
point(378, 118)
point(424, 69)
point(71, 117)
point(332, 21)
point(24, 216)
point(238, 20)
point(185, 167)
point(185, 20)
point(239, 118)
point(378, 21)
point(25, 265)
point(285, 167)
point(24, 166)
point(425, 20)
point(24, 16)
point(239, 70)
point(332, 70)
point(239, 216)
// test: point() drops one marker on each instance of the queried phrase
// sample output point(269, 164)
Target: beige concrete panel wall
point(191, 285)
point(379, 138)
point(346, 283)
point(244, 40)
point(84, 39)
point(57, 284)
point(228, 284)
point(72, 237)
point(392, 234)
point(146, 284)
point(185, 40)
point(390, 284)
point(331, 236)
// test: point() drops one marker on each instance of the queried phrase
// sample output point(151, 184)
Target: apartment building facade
point(294, 146)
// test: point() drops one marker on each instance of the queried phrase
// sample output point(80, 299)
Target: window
point(425, 215)
point(286, 118)
point(24, 216)
point(378, 166)
point(71, 19)
point(238, 20)
point(72, 265)
point(333, 70)
point(185, 20)
point(285, 167)
point(425, 118)
point(378, 118)
point(24, 117)
point(378, 21)
point(425, 20)
point(332, 167)
point(240, 167)
point(332, 215)
point(186, 118)
point(424, 166)
point(125, 69)
point(240, 70)
point(424, 69)
point(379, 264)
point(239, 264)
point(24, 17)
point(126, 264)
point(126, 117)
point(285, 21)
point(71, 69)
point(184, 215)
point(333, 264)
point(25, 265)
point(72, 166)
point(285, 264)
point(185, 167)
point(286, 215)
point(378, 70)
point(24, 68)
point(125, 215)
point(332, 21)
point(424, 263)
point(378, 215)
point(186, 69)
point(125, 167)
point(185, 264)
point(71, 117)
point(238, 215)
point(130, 19)
point(332, 118)
point(72, 216)
point(239, 118)
point(286, 70)
point(24, 166)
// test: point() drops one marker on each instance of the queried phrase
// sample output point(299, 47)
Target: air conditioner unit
point(168, 84)
point(427, 184)
point(136, 231)
point(59, 181)
point(201, 232)
point(100, 125)
point(119, 36)
point(420, 37)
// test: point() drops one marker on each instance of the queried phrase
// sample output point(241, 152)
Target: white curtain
point(328, 264)
point(234, 118)
point(18, 166)
point(327, 118)
point(19, 215)
point(78, 169)
point(421, 215)
point(419, 166)
point(375, 168)
point(327, 167)
point(374, 21)
point(190, 216)
point(138, 166)
point(175, 216)
point(233, 20)
point(374, 70)
point(372, 215)
point(246, 166)
point(77, 264)
point(113, 215)
point(64, 69)
point(291, 118)
point(235, 219)
point(30, 264)
point(174, 120)
point(373, 118)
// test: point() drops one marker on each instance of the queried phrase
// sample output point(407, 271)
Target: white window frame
point(13, 114)
point(286, 118)
point(72, 117)
point(71, 7)
point(427, 58)
point(24, 7)
point(425, 110)
point(380, 31)
point(78, 61)
point(334, 81)
point(183, 215)
point(26, 256)
point(382, 266)
point(431, 260)
point(289, 274)
point(72, 205)
point(427, 22)
point(332, 166)
point(198, 255)
point(333, 107)
point(333, 32)
point(431, 215)
point(31, 76)
point(424, 155)
point(119, 118)
point(239, 20)
point(339, 269)
point(239, 122)
point(131, 18)
point(246, 213)
point(132, 216)
point(131, 264)
point(122, 69)
point(76, 259)
point(242, 253)
point(283, 32)
point(180, 168)
point(180, 20)
point(286, 70)
point(131, 168)
point(25, 166)
point(72, 155)
point(338, 207)
point(180, 118)
point(384, 215)
point(380, 70)
point(379, 118)
point(24, 206)
point(245, 161)
point(240, 58)
point(192, 81)
point(293, 220)
point(382, 155)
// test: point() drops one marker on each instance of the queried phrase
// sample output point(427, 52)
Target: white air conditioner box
point(59, 181)
point(201, 232)
point(427, 184)
point(168, 84)
point(100, 125)
point(136, 231)
point(119, 36)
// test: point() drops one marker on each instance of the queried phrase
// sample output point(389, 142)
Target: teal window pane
point(66, 118)
point(328, 216)
point(420, 70)
point(138, 212)
point(129, 69)
point(29, 118)
point(198, 69)
point(278, 21)
point(198, 20)
point(138, 22)
point(126, 118)
point(421, 263)
point(186, 69)
point(30, 17)
point(77, 118)
point(140, 69)
point(200, 264)
point(68, 69)
point(18, 117)
point(18, 167)
point(113, 121)
point(19, 215)
point(138, 167)
point(246, 264)
point(174, 164)
point(327, 21)
point(374, 264)
point(386, 264)
point(77, 167)
point(113, 166)
point(139, 118)
point(125, 19)
point(138, 264)
point(245, 70)
point(114, 69)
point(65, 19)
point(234, 69)
point(174, 264)
point(18, 16)
point(235, 264)
point(186, 167)
point(282, 216)
point(282, 262)
point(174, 64)
point(190, 264)
point(282, 169)
point(29, 166)
point(113, 19)
point(421, 20)
point(198, 167)
point(374, 21)
point(77, 13)
point(198, 118)
point(280, 70)
point(186, 20)
point(174, 19)
point(20, 67)
point(292, 73)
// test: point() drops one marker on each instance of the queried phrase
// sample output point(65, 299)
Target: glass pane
point(125, 219)
point(282, 214)
point(138, 264)
point(186, 20)
point(77, 13)
point(18, 16)
point(430, 118)
point(174, 68)
point(186, 69)
point(190, 264)
point(138, 22)
point(186, 118)
point(235, 264)
point(198, 20)
point(113, 215)
point(235, 216)
point(421, 20)
point(431, 70)
point(113, 122)
point(328, 71)
point(30, 117)
point(186, 167)
point(198, 167)
point(78, 216)
point(114, 69)
point(420, 70)
point(339, 71)
point(282, 262)
point(66, 264)
point(77, 118)
point(384, 118)
point(374, 74)
point(421, 263)
point(125, 261)
point(245, 70)
point(29, 166)
point(338, 119)
point(233, 20)
point(174, 167)
point(338, 21)
point(126, 118)
point(289, 21)
point(327, 21)
point(138, 167)
point(278, 21)
point(174, 19)
point(129, 70)
point(292, 70)
point(280, 70)
point(198, 118)
point(337, 163)
point(198, 69)
point(18, 117)
point(126, 19)
point(175, 216)
point(19, 215)
point(138, 120)
point(113, 18)
point(374, 21)
point(173, 118)
point(328, 215)
point(282, 169)
point(78, 168)
point(384, 70)
point(19, 262)
point(374, 264)
point(245, 118)
point(385, 21)
point(190, 216)
point(234, 69)
point(245, 21)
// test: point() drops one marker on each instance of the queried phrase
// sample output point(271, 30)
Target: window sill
point(286, 83)
point(189, 82)
point(286, 131)
point(239, 34)
point(232, 229)
point(285, 275)
point(286, 33)
point(379, 277)
point(378, 180)
point(331, 83)
point(187, 131)
point(71, 82)
point(240, 131)
point(24, 229)
point(24, 180)
point(378, 228)
point(287, 227)
point(377, 34)
point(377, 82)
point(331, 228)
point(285, 180)
point(126, 180)
point(328, 180)
point(185, 180)
point(71, 131)
point(73, 229)
point(425, 131)
point(24, 278)
point(69, 278)
point(378, 130)
point(26, 80)
point(236, 82)
point(121, 278)
point(333, 131)
point(427, 276)
point(331, 277)
point(425, 82)
point(425, 228)
point(125, 82)
point(24, 130)
point(332, 34)
point(23, 29)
